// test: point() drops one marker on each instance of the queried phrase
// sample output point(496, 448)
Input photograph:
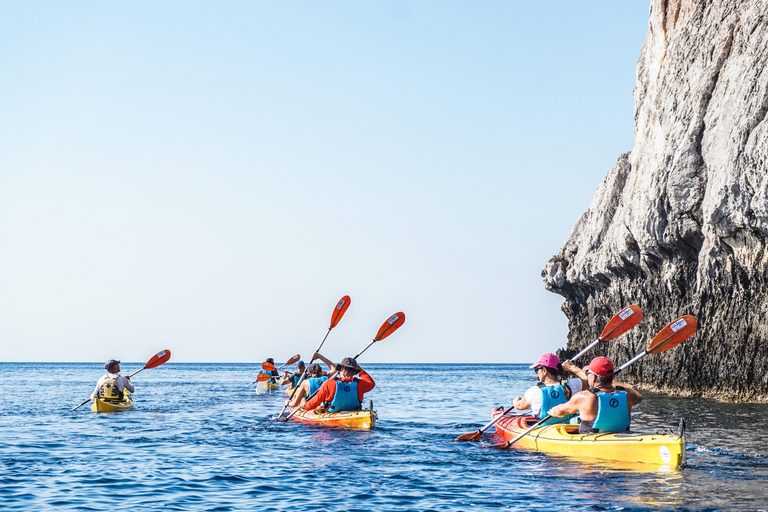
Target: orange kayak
point(362, 419)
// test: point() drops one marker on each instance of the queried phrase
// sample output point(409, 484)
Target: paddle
point(338, 312)
point(155, 361)
point(269, 367)
point(670, 336)
point(389, 326)
point(621, 322)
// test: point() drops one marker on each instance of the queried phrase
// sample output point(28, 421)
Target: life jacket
point(272, 373)
point(552, 395)
point(612, 411)
point(109, 389)
point(295, 378)
point(345, 398)
point(316, 382)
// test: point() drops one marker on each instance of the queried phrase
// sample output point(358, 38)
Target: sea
point(200, 439)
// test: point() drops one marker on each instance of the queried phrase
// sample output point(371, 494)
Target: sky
point(212, 177)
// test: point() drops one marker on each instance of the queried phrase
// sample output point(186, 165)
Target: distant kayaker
point(112, 385)
point(314, 380)
point(345, 393)
point(551, 390)
point(272, 373)
point(293, 378)
point(606, 406)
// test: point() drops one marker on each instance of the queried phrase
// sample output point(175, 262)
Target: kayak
point(112, 405)
point(660, 448)
point(362, 419)
point(289, 390)
point(270, 385)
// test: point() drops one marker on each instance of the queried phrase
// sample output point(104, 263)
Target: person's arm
point(326, 392)
point(521, 403)
point(568, 366)
point(330, 364)
point(96, 389)
point(301, 394)
point(572, 406)
point(531, 397)
point(364, 385)
point(286, 379)
point(633, 396)
point(127, 384)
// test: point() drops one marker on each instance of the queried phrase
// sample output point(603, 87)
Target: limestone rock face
point(680, 224)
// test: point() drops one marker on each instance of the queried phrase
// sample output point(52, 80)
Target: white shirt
point(122, 383)
point(533, 395)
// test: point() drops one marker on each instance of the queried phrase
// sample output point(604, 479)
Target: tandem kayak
point(660, 448)
point(107, 405)
point(362, 419)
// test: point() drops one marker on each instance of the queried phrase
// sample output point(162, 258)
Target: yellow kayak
point(362, 419)
point(107, 405)
point(660, 448)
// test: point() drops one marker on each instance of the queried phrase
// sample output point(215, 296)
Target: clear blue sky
point(211, 177)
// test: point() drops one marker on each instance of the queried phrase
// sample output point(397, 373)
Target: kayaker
point(293, 378)
point(272, 373)
point(345, 393)
point(606, 406)
point(551, 390)
point(112, 385)
point(314, 380)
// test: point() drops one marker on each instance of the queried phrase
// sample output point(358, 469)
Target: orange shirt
point(328, 390)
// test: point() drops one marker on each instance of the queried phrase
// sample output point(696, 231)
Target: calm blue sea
point(198, 439)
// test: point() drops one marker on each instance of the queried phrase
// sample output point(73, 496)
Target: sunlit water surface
point(198, 439)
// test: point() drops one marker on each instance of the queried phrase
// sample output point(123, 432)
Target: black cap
point(349, 362)
point(109, 364)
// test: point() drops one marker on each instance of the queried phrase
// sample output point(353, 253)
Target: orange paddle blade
point(621, 322)
point(339, 311)
point(268, 367)
point(263, 377)
point(472, 436)
point(673, 334)
point(392, 324)
point(158, 359)
point(293, 359)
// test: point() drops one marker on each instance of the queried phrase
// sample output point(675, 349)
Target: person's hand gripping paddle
point(338, 312)
point(621, 322)
point(670, 336)
point(155, 361)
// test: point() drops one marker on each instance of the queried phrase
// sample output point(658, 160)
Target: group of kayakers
point(593, 398)
point(341, 388)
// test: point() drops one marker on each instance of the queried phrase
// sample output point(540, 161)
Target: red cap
point(601, 366)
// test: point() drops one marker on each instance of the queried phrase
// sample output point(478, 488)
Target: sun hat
point(601, 366)
point(109, 364)
point(349, 362)
point(549, 360)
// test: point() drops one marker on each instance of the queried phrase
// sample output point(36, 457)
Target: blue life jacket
point(345, 398)
point(295, 378)
point(316, 382)
point(552, 395)
point(612, 411)
point(272, 373)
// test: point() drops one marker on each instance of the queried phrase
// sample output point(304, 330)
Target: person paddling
point(345, 393)
point(606, 406)
point(293, 378)
point(271, 373)
point(551, 390)
point(112, 385)
point(314, 380)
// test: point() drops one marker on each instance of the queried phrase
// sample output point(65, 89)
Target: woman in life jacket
point(551, 390)
point(606, 406)
point(315, 378)
point(112, 385)
point(344, 393)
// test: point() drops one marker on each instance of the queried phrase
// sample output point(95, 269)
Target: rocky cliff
point(680, 224)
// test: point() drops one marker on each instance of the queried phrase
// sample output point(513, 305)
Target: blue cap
point(300, 363)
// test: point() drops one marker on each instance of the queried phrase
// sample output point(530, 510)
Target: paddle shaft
point(303, 375)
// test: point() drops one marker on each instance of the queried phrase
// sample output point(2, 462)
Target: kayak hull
point(362, 419)
point(102, 405)
point(662, 449)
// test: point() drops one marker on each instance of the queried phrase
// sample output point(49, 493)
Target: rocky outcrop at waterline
point(680, 224)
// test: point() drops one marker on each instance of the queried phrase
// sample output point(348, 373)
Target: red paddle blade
point(621, 322)
point(472, 436)
point(263, 377)
point(339, 311)
point(673, 334)
point(293, 359)
point(158, 359)
point(268, 367)
point(392, 324)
